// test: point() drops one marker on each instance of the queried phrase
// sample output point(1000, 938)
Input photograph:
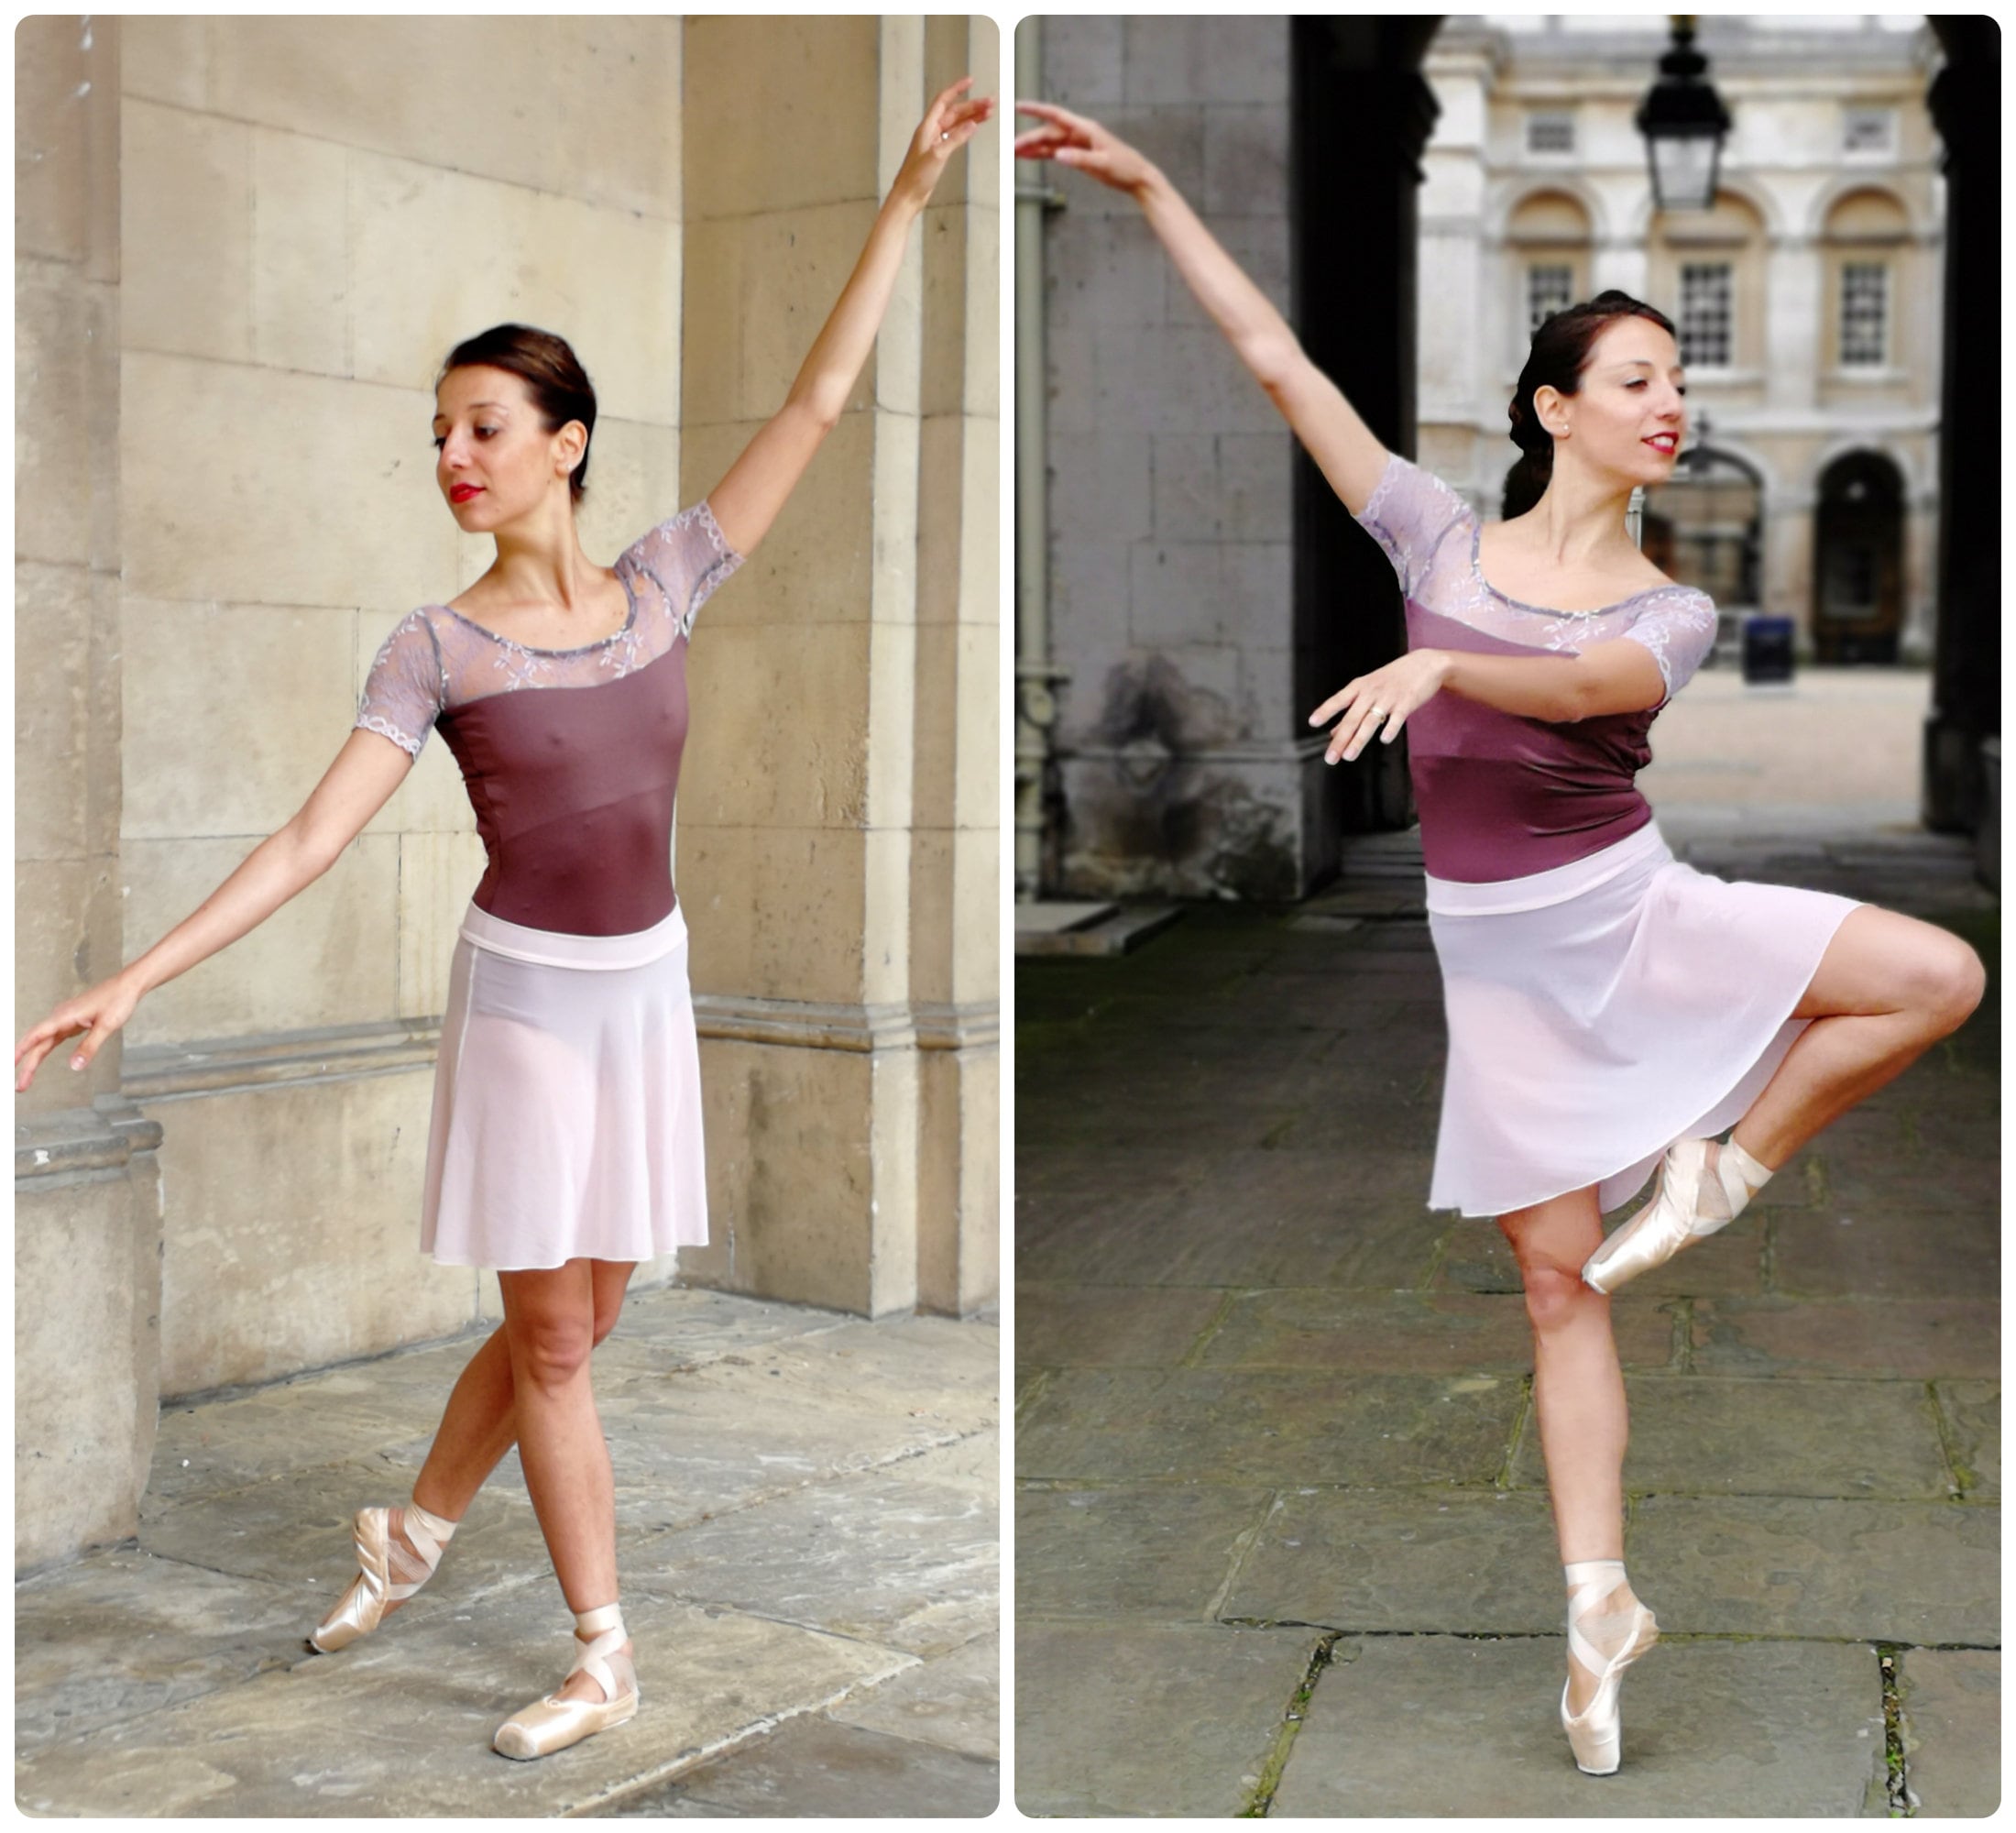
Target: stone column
point(1966, 103)
point(798, 800)
point(955, 936)
point(87, 1188)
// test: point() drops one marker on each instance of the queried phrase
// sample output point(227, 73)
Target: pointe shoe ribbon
point(1595, 1734)
point(362, 1607)
point(1672, 1221)
point(553, 1723)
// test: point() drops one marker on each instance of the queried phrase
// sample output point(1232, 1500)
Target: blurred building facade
point(243, 246)
point(1807, 299)
point(1409, 189)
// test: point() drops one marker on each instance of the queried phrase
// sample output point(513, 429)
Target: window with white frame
point(1549, 286)
point(1868, 131)
point(1864, 314)
point(1549, 131)
point(1707, 314)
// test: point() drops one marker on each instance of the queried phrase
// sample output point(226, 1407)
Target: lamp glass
point(1683, 170)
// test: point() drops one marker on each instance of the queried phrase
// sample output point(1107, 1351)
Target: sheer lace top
point(437, 660)
point(1501, 796)
point(572, 784)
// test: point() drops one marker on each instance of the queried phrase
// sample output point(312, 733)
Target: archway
point(1704, 526)
point(1858, 562)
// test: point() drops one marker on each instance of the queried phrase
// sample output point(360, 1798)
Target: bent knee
point(1954, 981)
point(1555, 1296)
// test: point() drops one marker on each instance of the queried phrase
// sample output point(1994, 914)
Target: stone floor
point(808, 1538)
point(1283, 1542)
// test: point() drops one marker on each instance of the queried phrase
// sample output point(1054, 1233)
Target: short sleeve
point(687, 558)
point(406, 689)
point(1410, 512)
point(1679, 628)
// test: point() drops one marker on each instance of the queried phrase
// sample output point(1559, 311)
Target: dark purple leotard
point(1501, 796)
point(570, 757)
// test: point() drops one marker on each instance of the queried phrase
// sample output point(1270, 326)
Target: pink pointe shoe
point(1595, 1734)
point(553, 1723)
point(1694, 1199)
point(386, 1573)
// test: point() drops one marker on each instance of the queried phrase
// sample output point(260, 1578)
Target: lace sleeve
point(686, 558)
point(1410, 513)
point(1679, 628)
point(407, 688)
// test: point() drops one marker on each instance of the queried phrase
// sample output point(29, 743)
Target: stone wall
point(224, 500)
point(838, 832)
point(1181, 753)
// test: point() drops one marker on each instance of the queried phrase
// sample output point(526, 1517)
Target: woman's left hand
point(1385, 696)
point(949, 122)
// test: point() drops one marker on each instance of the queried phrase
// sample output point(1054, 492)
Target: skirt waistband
point(555, 949)
point(1558, 885)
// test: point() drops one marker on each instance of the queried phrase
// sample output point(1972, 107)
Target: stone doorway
point(1858, 554)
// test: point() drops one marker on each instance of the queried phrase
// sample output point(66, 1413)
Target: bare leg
point(479, 1424)
point(1578, 1389)
point(549, 1324)
point(1888, 988)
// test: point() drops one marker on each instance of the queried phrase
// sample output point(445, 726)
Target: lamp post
point(1683, 123)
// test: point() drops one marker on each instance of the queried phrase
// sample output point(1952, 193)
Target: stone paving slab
point(1219, 1425)
point(814, 1766)
point(1951, 1705)
point(954, 1703)
point(1893, 1338)
point(126, 1635)
point(1773, 1566)
point(1444, 1331)
point(1111, 1326)
point(1430, 1726)
point(886, 1556)
point(1838, 1251)
point(1252, 1217)
point(1735, 1437)
point(1149, 1720)
point(705, 1679)
point(1361, 1560)
point(1159, 1552)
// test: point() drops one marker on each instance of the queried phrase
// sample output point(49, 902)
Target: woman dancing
point(1610, 1010)
point(565, 1145)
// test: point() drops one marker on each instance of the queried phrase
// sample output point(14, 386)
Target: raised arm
point(746, 501)
point(1342, 444)
point(355, 787)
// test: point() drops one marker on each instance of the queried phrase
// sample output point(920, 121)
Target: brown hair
point(1558, 355)
point(551, 373)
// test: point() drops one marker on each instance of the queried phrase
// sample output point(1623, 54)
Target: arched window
point(1547, 239)
point(1708, 273)
point(1864, 241)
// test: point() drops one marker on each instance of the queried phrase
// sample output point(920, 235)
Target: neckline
point(623, 630)
point(1477, 569)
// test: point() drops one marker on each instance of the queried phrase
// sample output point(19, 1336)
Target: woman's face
point(494, 460)
point(1628, 415)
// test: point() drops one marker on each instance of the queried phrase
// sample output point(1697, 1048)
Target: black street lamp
point(1683, 123)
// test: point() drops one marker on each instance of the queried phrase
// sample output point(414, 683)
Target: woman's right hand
point(98, 1012)
point(1083, 145)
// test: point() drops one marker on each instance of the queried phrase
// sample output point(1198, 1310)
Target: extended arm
point(1344, 447)
point(355, 787)
point(746, 501)
point(1613, 676)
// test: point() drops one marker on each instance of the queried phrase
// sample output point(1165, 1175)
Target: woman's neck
point(1579, 519)
point(539, 561)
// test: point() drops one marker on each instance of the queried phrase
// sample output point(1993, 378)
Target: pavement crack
point(1502, 1479)
point(1242, 1545)
point(1193, 1357)
point(1897, 1782)
point(1260, 1803)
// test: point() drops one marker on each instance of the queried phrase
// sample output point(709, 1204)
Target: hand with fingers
point(951, 120)
point(97, 1012)
point(1083, 145)
point(1382, 699)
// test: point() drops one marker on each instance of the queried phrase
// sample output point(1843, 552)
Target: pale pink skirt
point(566, 1115)
point(1603, 1009)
